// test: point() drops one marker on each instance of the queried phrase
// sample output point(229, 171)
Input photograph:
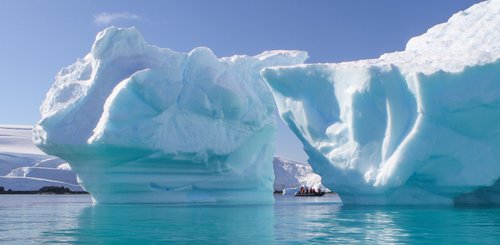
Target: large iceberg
point(421, 126)
point(138, 123)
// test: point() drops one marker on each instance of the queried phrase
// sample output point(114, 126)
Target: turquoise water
point(26, 219)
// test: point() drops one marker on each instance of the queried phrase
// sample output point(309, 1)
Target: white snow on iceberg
point(291, 174)
point(419, 126)
point(139, 123)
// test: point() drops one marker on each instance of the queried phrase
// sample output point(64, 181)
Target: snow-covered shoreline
point(23, 167)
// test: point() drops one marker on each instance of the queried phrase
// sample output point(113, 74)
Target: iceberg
point(23, 167)
point(143, 124)
point(419, 126)
point(291, 174)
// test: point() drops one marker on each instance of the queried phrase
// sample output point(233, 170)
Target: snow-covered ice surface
point(139, 123)
point(23, 167)
point(291, 174)
point(420, 126)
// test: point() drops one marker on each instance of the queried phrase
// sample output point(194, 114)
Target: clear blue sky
point(38, 38)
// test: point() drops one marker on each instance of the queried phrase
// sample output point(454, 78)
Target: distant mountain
point(23, 167)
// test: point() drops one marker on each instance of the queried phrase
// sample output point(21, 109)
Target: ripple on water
point(73, 219)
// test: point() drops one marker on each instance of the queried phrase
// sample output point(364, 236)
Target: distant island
point(46, 190)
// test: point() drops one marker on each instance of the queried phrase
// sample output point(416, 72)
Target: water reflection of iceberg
point(68, 220)
point(142, 224)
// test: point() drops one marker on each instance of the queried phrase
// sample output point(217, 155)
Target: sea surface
point(70, 219)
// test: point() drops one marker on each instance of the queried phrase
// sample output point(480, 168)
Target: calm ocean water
point(61, 219)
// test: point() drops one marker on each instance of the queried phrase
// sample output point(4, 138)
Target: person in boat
point(301, 190)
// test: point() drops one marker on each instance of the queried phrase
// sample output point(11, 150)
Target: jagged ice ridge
point(420, 126)
point(139, 123)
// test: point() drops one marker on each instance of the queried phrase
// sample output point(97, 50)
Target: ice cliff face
point(417, 126)
point(139, 123)
point(290, 174)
